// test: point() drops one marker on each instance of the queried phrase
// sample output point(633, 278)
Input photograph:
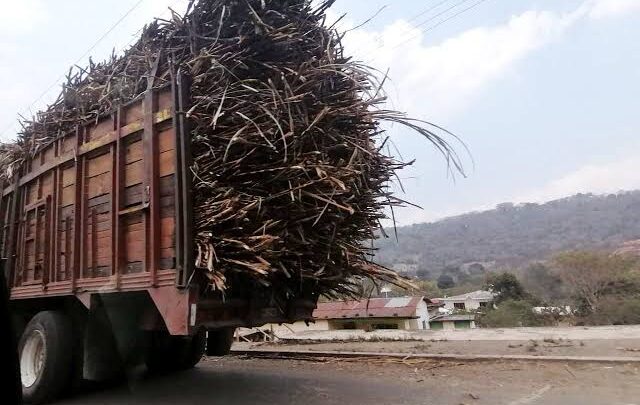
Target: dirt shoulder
point(543, 347)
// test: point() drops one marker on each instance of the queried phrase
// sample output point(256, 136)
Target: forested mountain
point(512, 235)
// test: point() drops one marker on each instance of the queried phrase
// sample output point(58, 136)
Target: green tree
point(592, 275)
point(513, 313)
point(506, 286)
point(445, 281)
point(544, 283)
point(423, 274)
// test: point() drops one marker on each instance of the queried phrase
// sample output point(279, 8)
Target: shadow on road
point(208, 383)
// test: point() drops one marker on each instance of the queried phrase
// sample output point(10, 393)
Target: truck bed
point(96, 209)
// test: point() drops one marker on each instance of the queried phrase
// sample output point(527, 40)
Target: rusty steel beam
point(117, 262)
point(184, 214)
point(151, 198)
point(175, 306)
point(55, 242)
point(21, 236)
point(2, 215)
point(67, 248)
point(78, 212)
point(46, 268)
point(179, 220)
point(12, 234)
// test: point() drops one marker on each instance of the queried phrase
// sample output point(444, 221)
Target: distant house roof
point(403, 307)
point(474, 295)
point(631, 247)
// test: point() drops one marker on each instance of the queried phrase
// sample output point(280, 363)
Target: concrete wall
point(369, 324)
point(469, 304)
point(288, 328)
point(420, 323)
point(450, 325)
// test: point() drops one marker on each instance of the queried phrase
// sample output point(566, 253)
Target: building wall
point(422, 312)
point(450, 325)
point(370, 324)
point(469, 304)
point(289, 328)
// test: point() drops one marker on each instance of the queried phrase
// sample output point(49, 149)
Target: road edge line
point(284, 354)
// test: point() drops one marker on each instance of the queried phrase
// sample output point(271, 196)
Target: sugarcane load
point(226, 170)
point(289, 176)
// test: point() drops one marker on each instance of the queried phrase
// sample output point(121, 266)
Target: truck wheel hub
point(32, 358)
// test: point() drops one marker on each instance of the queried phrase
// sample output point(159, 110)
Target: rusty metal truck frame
point(101, 220)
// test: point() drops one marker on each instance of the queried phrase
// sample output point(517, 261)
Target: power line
point(433, 17)
point(432, 27)
point(441, 13)
point(134, 36)
point(415, 17)
point(87, 52)
point(423, 12)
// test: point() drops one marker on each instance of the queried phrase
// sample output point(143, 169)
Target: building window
point(459, 305)
point(349, 325)
point(483, 305)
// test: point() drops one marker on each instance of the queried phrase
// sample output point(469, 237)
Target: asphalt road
point(237, 380)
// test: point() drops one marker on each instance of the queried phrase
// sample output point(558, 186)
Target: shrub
point(513, 313)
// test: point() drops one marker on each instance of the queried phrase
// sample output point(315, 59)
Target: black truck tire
point(195, 351)
point(46, 357)
point(174, 353)
point(219, 341)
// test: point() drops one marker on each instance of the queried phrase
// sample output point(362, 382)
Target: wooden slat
point(48, 235)
point(117, 262)
point(150, 186)
point(88, 148)
point(183, 213)
point(86, 220)
point(55, 234)
point(78, 230)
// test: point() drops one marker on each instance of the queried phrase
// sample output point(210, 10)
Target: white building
point(453, 321)
point(467, 302)
point(375, 313)
point(408, 313)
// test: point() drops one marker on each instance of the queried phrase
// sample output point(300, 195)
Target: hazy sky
point(543, 92)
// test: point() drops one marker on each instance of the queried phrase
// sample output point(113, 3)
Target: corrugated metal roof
point(398, 302)
point(454, 318)
point(404, 307)
point(474, 295)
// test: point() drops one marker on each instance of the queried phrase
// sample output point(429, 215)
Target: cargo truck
point(97, 247)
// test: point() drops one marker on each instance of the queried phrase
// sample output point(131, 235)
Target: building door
point(462, 324)
point(437, 325)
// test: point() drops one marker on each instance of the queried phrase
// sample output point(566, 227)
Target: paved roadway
point(240, 381)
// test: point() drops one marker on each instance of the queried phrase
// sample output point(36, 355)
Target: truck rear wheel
point(219, 341)
point(46, 357)
point(174, 353)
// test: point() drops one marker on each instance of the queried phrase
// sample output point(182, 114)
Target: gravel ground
point(239, 380)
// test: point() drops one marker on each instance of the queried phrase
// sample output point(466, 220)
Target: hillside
point(511, 235)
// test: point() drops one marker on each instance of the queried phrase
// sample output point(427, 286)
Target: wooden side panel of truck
point(95, 210)
point(105, 210)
